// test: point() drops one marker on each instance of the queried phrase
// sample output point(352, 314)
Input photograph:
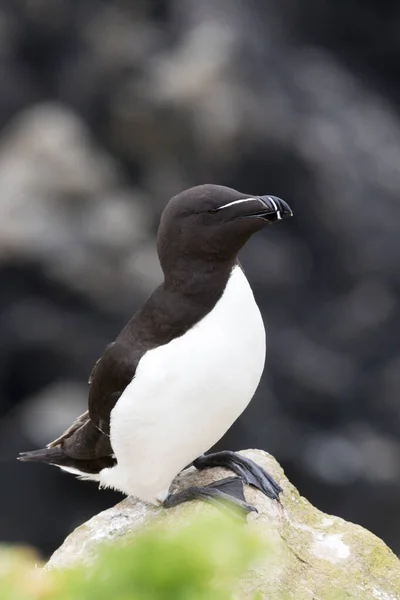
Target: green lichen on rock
point(335, 559)
point(200, 560)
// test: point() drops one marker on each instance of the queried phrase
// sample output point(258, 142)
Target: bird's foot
point(227, 491)
point(246, 469)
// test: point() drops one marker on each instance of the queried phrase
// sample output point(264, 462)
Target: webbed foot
point(228, 491)
point(246, 469)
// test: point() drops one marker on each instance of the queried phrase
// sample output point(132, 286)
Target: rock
point(317, 555)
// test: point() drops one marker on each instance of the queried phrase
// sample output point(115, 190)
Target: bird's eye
point(213, 210)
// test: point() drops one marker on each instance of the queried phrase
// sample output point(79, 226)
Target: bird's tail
point(54, 456)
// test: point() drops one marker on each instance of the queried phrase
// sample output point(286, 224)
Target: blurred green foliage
point(199, 561)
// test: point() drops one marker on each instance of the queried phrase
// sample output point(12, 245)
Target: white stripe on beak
point(236, 202)
point(274, 204)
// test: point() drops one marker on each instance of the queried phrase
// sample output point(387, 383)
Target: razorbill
point(185, 366)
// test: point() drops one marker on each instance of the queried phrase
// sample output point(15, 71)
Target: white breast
point(186, 394)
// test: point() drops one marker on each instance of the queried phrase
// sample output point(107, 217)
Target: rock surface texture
point(317, 556)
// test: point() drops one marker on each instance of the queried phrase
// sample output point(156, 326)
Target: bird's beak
point(273, 209)
point(267, 208)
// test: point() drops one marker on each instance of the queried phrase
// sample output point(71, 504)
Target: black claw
point(246, 469)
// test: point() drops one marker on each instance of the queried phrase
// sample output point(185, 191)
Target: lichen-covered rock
point(316, 556)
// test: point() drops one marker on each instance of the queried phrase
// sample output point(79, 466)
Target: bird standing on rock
point(184, 367)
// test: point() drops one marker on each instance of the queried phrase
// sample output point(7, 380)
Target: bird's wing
point(87, 443)
point(93, 371)
point(83, 440)
point(81, 420)
point(88, 436)
point(111, 375)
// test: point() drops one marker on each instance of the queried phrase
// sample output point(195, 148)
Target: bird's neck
point(198, 279)
point(181, 301)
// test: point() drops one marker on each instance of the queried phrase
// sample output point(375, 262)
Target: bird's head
point(213, 222)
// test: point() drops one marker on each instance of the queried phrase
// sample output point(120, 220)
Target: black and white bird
point(185, 366)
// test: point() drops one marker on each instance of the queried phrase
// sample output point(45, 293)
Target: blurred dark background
point(107, 109)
